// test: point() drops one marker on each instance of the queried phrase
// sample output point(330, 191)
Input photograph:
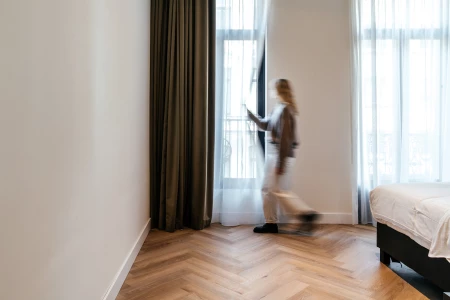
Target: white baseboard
point(326, 218)
point(114, 289)
point(336, 218)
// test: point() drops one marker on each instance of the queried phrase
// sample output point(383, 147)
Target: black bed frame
point(396, 246)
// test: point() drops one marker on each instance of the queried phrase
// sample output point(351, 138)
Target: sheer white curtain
point(239, 159)
point(401, 93)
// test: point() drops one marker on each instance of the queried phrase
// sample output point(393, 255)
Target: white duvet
point(420, 211)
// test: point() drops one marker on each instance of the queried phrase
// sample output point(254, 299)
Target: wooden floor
point(338, 262)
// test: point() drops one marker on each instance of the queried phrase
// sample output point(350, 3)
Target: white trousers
point(276, 189)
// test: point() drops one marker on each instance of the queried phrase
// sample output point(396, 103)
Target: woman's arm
point(260, 122)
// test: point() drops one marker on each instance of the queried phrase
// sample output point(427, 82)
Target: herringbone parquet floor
point(337, 262)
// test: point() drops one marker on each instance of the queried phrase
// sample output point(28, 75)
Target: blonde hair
point(284, 90)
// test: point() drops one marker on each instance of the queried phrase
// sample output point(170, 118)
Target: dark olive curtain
point(182, 77)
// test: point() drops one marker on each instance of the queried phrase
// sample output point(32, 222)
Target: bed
point(413, 227)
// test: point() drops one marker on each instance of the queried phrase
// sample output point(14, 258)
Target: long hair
point(284, 91)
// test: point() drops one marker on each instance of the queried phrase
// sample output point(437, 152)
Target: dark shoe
point(267, 228)
point(310, 217)
point(308, 221)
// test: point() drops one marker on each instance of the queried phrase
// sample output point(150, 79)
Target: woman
point(280, 161)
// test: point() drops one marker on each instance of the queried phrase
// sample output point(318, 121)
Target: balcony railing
point(421, 166)
point(238, 151)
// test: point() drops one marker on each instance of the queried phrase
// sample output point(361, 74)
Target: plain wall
point(308, 42)
point(74, 165)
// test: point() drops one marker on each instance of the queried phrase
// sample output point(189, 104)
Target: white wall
point(308, 42)
point(74, 171)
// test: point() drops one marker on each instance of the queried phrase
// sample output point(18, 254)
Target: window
point(239, 81)
point(404, 45)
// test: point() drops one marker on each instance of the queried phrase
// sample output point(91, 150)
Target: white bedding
point(420, 211)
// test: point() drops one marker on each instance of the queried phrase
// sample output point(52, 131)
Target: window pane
point(424, 85)
point(239, 90)
point(423, 108)
point(401, 14)
point(380, 98)
point(385, 82)
point(238, 85)
point(235, 14)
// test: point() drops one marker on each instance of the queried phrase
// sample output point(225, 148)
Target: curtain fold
point(182, 95)
point(401, 93)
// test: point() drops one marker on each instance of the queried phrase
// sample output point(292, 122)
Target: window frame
point(403, 53)
point(260, 84)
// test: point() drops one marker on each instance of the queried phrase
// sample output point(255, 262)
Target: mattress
point(418, 210)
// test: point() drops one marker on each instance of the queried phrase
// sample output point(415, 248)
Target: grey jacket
point(282, 125)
